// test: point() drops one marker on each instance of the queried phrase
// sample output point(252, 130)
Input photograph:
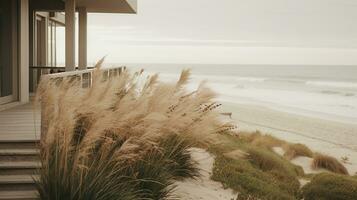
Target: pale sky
point(228, 32)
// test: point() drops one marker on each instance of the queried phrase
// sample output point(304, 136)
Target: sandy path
point(204, 187)
point(326, 136)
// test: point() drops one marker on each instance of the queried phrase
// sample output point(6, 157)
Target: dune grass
point(120, 139)
point(329, 163)
point(295, 150)
point(327, 186)
point(263, 174)
point(261, 140)
point(291, 150)
point(247, 164)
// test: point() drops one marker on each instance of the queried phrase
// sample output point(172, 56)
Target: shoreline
point(291, 110)
point(333, 138)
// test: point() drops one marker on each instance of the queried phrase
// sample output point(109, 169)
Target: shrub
point(329, 163)
point(260, 140)
point(328, 186)
point(120, 139)
point(269, 161)
point(241, 176)
point(280, 168)
point(261, 174)
point(294, 150)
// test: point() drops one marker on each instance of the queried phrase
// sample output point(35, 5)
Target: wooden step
point(19, 195)
point(19, 167)
point(19, 144)
point(17, 182)
point(16, 152)
point(16, 179)
point(19, 154)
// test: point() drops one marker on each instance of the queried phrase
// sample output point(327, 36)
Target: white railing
point(85, 77)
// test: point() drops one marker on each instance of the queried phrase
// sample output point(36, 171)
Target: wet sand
point(330, 137)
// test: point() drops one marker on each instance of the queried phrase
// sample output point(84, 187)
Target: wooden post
point(82, 39)
point(70, 10)
point(24, 51)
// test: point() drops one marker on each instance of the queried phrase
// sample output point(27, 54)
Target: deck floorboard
point(20, 123)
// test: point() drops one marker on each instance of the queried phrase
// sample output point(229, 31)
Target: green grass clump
point(241, 176)
point(263, 173)
point(260, 140)
point(294, 150)
point(180, 164)
point(327, 186)
point(329, 163)
point(270, 161)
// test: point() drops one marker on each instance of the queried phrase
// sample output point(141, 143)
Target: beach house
point(28, 49)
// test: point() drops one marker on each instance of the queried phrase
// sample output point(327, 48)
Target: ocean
point(328, 92)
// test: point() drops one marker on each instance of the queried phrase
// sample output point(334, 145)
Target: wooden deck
point(20, 123)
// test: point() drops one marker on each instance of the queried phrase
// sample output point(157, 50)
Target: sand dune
point(330, 137)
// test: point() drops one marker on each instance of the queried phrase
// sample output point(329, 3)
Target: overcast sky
point(228, 31)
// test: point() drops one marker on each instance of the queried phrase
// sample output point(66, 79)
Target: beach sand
point(330, 137)
point(203, 187)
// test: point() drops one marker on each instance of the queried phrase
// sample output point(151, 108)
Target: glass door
point(8, 51)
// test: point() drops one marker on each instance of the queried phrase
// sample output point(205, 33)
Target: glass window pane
point(6, 45)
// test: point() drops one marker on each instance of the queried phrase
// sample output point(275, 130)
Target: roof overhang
point(108, 6)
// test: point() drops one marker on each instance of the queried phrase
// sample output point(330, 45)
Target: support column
point(70, 10)
point(82, 46)
point(24, 51)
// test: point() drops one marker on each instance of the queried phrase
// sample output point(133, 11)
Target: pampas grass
point(120, 139)
point(329, 163)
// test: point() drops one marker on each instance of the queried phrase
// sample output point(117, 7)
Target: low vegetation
point(291, 150)
point(329, 163)
point(327, 186)
point(247, 163)
point(263, 174)
point(261, 140)
point(120, 139)
point(295, 150)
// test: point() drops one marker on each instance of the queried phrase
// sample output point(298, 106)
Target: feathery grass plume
point(120, 139)
point(329, 163)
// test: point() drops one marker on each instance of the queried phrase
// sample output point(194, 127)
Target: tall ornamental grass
point(120, 138)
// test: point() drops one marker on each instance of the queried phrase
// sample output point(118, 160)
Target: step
point(19, 164)
point(18, 171)
point(15, 152)
point(19, 154)
point(17, 182)
point(19, 195)
point(17, 179)
point(19, 167)
point(19, 144)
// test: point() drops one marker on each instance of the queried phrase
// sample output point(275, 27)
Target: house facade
point(28, 40)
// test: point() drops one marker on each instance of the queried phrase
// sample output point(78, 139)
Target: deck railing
point(52, 72)
point(36, 72)
point(85, 79)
